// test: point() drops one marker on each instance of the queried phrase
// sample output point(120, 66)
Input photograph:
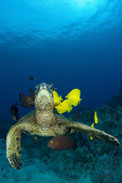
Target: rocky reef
point(93, 161)
point(116, 99)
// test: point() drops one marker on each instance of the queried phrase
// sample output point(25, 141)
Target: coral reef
point(92, 162)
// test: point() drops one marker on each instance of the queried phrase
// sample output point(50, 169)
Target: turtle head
point(44, 97)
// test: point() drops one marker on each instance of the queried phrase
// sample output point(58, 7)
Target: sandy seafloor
point(92, 162)
point(34, 173)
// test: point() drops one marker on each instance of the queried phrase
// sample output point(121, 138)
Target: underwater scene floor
point(93, 161)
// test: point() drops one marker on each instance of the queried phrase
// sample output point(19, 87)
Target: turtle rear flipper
point(13, 146)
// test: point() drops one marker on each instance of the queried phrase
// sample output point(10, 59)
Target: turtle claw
point(15, 161)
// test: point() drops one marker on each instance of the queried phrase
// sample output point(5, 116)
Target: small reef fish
point(74, 97)
point(95, 122)
point(91, 137)
point(14, 111)
point(32, 93)
point(95, 118)
point(92, 125)
point(26, 101)
point(31, 78)
point(57, 99)
point(60, 143)
point(64, 106)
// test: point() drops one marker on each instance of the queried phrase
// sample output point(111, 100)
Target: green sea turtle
point(43, 122)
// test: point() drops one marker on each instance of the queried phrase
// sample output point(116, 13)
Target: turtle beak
point(43, 86)
point(46, 87)
point(43, 90)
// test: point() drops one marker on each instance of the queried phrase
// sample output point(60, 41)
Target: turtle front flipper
point(93, 132)
point(13, 146)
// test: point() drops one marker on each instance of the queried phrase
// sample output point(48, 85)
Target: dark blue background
point(71, 46)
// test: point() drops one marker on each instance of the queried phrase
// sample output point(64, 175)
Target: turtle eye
point(51, 86)
point(36, 89)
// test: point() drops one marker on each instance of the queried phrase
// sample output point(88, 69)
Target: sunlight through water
point(29, 21)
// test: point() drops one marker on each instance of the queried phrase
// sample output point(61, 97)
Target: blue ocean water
point(72, 43)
